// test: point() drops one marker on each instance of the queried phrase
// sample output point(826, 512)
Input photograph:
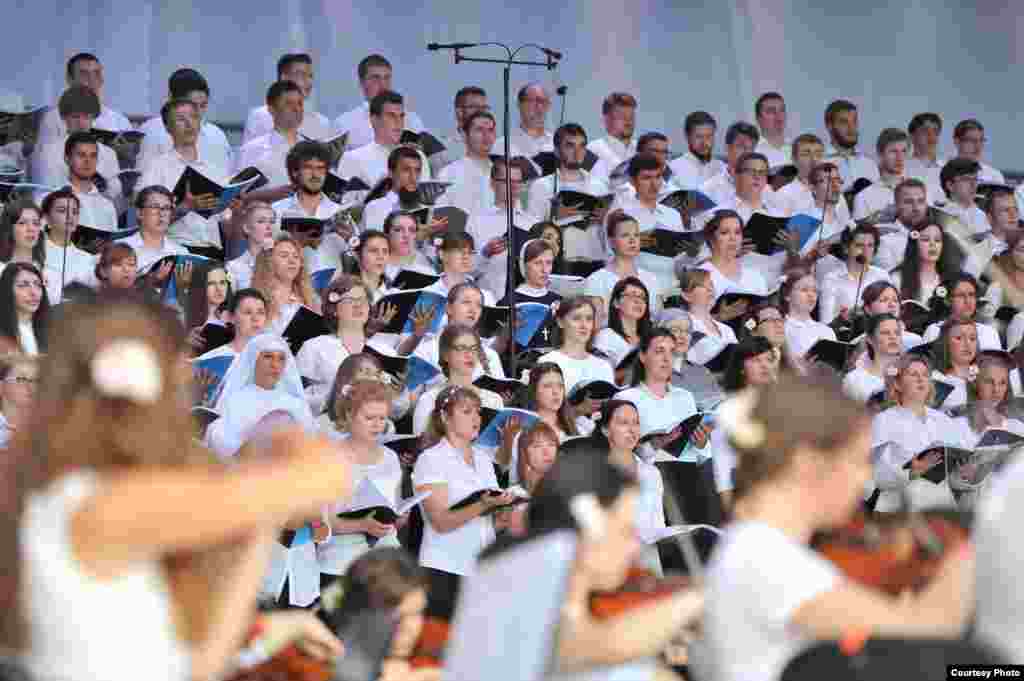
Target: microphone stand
point(550, 63)
point(824, 213)
point(861, 260)
point(561, 91)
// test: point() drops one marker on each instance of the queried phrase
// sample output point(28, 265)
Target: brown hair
point(567, 307)
point(793, 276)
point(450, 397)
point(341, 286)
point(377, 580)
point(892, 389)
point(448, 337)
point(943, 357)
point(796, 411)
point(359, 393)
point(539, 431)
point(263, 276)
point(75, 426)
point(111, 254)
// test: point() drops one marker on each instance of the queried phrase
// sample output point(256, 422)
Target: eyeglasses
point(160, 209)
point(354, 300)
point(465, 348)
point(21, 380)
point(754, 172)
point(770, 318)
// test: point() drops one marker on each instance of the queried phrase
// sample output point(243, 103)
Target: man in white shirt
point(295, 68)
point(188, 227)
point(1003, 219)
point(843, 124)
point(740, 139)
point(770, 111)
point(489, 227)
point(307, 167)
point(657, 145)
point(471, 175)
point(468, 100)
point(911, 214)
point(78, 108)
point(892, 159)
point(924, 163)
point(582, 238)
point(697, 165)
point(796, 197)
point(619, 113)
point(375, 76)
point(370, 162)
point(959, 179)
point(95, 209)
point(532, 137)
point(213, 143)
point(83, 69)
point(405, 167)
point(969, 138)
point(268, 152)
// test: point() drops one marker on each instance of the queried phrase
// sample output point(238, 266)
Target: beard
point(408, 198)
point(846, 141)
point(702, 157)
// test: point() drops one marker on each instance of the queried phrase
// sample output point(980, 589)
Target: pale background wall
point(894, 59)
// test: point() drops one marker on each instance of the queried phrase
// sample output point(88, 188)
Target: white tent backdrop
point(959, 59)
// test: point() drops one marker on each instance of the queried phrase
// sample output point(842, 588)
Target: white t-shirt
point(79, 642)
point(591, 368)
point(603, 281)
point(756, 580)
point(860, 384)
point(801, 335)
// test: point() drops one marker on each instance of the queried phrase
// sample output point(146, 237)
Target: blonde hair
point(355, 395)
point(253, 206)
point(263, 277)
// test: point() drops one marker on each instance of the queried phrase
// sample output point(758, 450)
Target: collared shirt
point(839, 289)
point(471, 183)
point(146, 256)
point(356, 123)
point(801, 335)
point(376, 212)
point(52, 126)
point(454, 149)
point(48, 167)
point(777, 156)
point(927, 172)
point(878, 196)
point(192, 229)
point(529, 145)
point(260, 122)
point(370, 164)
point(721, 188)
point(852, 165)
point(542, 190)
point(661, 217)
point(268, 153)
point(989, 175)
point(972, 217)
point(657, 413)
point(67, 266)
point(690, 171)
point(241, 269)
point(612, 150)
point(96, 210)
point(325, 255)
point(485, 226)
point(213, 143)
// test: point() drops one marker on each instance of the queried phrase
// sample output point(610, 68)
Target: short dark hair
point(78, 99)
point(923, 119)
point(169, 106)
point(286, 60)
point(80, 57)
point(837, 107)
point(617, 99)
point(400, 152)
point(768, 96)
point(751, 156)
point(820, 168)
point(734, 379)
point(717, 218)
point(742, 128)
point(457, 240)
point(53, 197)
point(647, 138)
point(696, 119)
point(367, 62)
point(143, 194)
point(382, 98)
point(642, 162)
point(955, 168)
point(617, 218)
point(909, 183)
point(890, 136)
point(805, 138)
point(569, 130)
point(520, 162)
point(306, 150)
point(997, 192)
point(280, 89)
point(80, 137)
point(965, 126)
point(469, 91)
point(184, 82)
point(475, 115)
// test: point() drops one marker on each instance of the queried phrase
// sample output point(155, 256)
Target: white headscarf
point(242, 404)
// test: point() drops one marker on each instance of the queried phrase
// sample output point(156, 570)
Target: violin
point(892, 554)
point(430, 646)
point(290, 664)
point(641, 588)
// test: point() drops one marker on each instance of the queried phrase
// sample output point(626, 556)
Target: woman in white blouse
point(803, 460)
point(451, 468)
point(363, 417)
point(901, 432)
point(839, 287)
point(24, 310)
point(698, 290)
point(629, 320)
point(65, 262)
point(346, 307)
point(280, 275)
point(955, 352)
point(884, 349)
point(460, 352)
point(259, 234)
point(962, 298)
point(800, 296)
point(930, 258)
point(574, 356)
point(989, 395)
point(724, 236)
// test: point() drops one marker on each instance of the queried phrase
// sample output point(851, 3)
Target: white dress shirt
point(370, 164)
point(612, 151)
point(928, 172)
point(318, 360)
point(471, 183)
point(587, 243)
point(705, 349)
point(213, 143)
point(96, 210)
point(69, 265)
point(801, 335)
point(590, 368)
point(750, 281)
point(892, 247)
point(325, 255)
point(603, 281)
point(485, 226)
point(267, 153)
point(972, 217)
point(777, 156)
point(989, 175)
point(852, 165)
point(657, 413)
point(690, 171)
point(260, 122)
point(878, 196)
point(839, 289)
point(192, 229)
point(861, 384)
point(52, 126)
point(529, 145)
point(146, 256)
point(661, 217)
point(356, 123)
point(240, 269)
point(48, 167)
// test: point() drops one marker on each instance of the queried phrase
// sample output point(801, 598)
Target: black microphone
point(450, 46)
point(561, 90)
point(554, 54)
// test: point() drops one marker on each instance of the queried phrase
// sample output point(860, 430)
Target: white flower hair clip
point(587, 513)
point(524, 376)
point(437, 242)
point(782, 278)
point(940, 291)
point(353, 242)
point(972, 373)
point(554, 306)
point(915, 235)
point(892, 371)
point(386, 378)
point(736, 416)
point(346, 390)
point(333, 297)
point(751, 324)
point(127, 369)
